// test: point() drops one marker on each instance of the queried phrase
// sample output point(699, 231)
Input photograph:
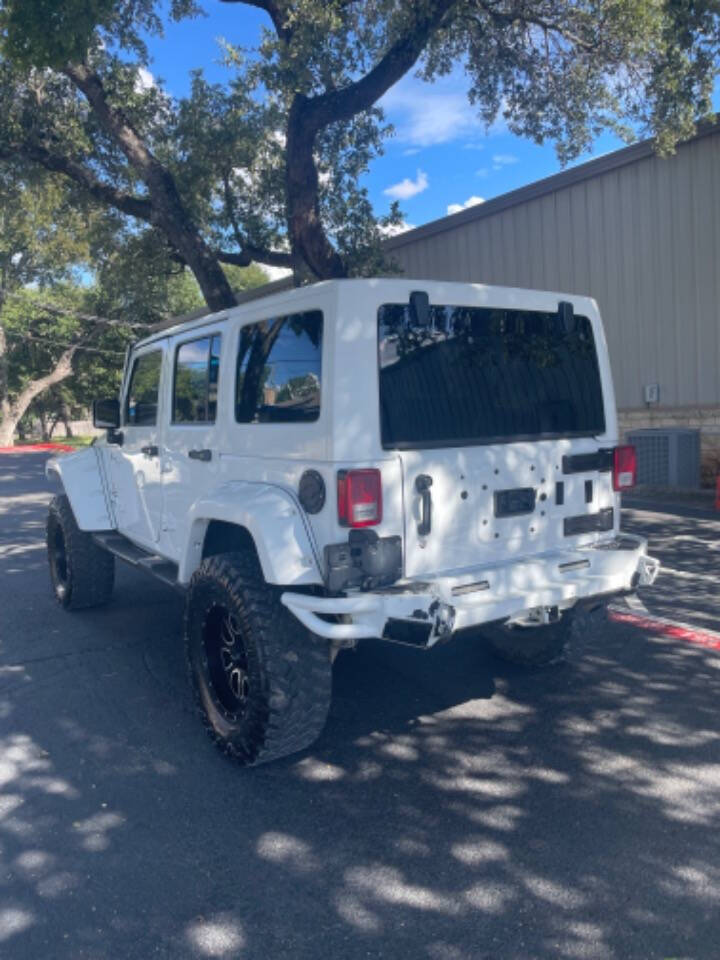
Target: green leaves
point(225, 172)
point(48, 33)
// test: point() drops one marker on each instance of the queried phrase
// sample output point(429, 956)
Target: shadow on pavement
point(453, 808)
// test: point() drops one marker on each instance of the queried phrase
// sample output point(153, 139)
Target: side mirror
point(106, 413)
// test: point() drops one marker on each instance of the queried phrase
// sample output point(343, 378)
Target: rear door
point(135, 465)
point(190, 450)
point(488, 410)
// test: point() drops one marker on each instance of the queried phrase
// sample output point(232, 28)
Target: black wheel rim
point(225, 662)
point(59, 558)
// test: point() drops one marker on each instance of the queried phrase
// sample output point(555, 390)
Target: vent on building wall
point(667, 457)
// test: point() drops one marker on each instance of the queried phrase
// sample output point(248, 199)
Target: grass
point(82, 441)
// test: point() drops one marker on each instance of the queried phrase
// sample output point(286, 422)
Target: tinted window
point(475, 375)
point(196, 381)
point(279, 370)
point(142, 396)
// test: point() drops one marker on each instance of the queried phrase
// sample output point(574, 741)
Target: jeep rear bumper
point(513, 590)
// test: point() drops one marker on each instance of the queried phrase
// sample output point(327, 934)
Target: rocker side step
point(160, 567)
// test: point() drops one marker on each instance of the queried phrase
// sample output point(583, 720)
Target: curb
point(39, 448)
point(671, 629)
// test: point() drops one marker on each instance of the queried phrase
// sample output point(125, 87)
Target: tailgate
point(488, 504)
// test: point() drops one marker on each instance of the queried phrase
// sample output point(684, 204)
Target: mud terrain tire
point(261, 680)
point(82, 573)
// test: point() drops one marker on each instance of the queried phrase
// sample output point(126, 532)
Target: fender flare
point(272, 516)
point(82, 475)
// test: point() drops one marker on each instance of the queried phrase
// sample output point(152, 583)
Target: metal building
point(639, 233)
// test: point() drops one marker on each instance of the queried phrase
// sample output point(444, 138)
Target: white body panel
point(276, 522)
point(136, 483)
point(82, 474)
point(165, 503)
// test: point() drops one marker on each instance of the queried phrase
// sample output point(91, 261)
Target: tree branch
point(345, 103)
point(92, 318)
point(167, 208)
point(126, 203)
point(250, 254)
point(275, 13)
point(309, 115)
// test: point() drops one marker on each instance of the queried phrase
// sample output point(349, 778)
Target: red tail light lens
point(359, 498)
point(624, 468)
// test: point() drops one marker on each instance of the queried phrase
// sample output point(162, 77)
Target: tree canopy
point(77, 284)
point(266, 167)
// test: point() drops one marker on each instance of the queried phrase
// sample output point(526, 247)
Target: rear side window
point(279, 370)
point(142, 397)
point(477, 375)
point(195, 386)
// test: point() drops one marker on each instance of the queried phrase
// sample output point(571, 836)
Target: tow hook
point(443, 620)
point(647, 570)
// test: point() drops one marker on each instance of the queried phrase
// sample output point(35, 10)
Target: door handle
point(422, 485)
point(150, 451)
point(203, 455)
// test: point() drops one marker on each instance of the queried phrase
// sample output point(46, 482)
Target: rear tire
point(82, 573)
point(543, 646)
point(261, 680)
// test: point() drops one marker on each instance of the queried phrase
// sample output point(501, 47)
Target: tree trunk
point(65, 417)
point(4, 401)
point(308, 240)
point(12, 411)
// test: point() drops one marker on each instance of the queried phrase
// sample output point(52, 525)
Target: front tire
point(261, 680)
point(82, 573)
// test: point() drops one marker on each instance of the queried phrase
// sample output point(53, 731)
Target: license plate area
point(514, 503)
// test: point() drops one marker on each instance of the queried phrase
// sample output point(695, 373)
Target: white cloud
point(482, 172)
point(144, 80)
point(393, 229)
point(411, 151)
point(470, 202)
point(407, 188)
point(425, 114)
point(501, 160)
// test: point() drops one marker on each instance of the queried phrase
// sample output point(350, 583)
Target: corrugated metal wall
point(643, 239)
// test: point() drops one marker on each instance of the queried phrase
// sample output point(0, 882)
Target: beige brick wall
point(704, 419)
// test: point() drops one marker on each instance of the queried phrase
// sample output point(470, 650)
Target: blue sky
point(441, 155)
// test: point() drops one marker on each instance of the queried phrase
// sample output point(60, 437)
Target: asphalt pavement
point(454, 808)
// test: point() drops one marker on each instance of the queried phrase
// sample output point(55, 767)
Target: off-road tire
point(81, 572)
point(542, 646)
point(286, 670)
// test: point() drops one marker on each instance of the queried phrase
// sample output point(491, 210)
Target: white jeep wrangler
point(359, 458)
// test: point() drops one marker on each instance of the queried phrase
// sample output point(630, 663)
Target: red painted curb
point(666, 628)
point(39, 448)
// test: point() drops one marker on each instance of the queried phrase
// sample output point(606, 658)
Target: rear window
point(142, 397)
point(477, 375)
point(279, 370)
point(195, 384)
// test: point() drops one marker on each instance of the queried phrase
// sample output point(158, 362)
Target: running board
point(160, 567)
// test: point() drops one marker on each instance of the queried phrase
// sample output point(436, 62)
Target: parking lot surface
point(455, 807)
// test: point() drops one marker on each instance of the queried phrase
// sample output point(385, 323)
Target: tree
point(62, 337)
point(265, 168)
point(42, 235)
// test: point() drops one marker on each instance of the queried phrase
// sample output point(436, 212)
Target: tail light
point(359, 496)
point(624, 468)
